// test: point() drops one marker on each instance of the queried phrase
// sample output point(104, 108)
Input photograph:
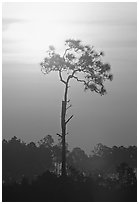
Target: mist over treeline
point(21, 160)
point(32, 172)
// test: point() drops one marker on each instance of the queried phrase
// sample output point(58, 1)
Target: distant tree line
point(21, 160)
point(32, 172)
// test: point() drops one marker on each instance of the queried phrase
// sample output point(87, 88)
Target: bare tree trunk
point(63, 127)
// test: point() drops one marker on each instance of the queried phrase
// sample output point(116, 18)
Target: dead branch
point(68, 107)
point(59, 135)
point(69, 119)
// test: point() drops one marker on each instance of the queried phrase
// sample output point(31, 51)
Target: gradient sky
point(31, 101)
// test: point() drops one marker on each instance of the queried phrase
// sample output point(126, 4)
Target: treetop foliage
point(81, 62)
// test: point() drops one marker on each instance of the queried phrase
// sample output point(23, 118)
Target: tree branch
point(69, 119)
point(72, 75)
point(59, 135)
point(80, 80)
point(61, 79)
point(68, 107)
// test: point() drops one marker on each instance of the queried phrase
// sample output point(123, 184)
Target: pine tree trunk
point(63, 127)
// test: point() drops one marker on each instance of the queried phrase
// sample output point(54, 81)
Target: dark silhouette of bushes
point(32, 172)
point(51, 188)
point(20, 159)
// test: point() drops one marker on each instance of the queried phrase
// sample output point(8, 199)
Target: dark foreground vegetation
point(32, 172)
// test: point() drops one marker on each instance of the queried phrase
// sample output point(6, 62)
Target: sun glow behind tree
point(28, 30)
point(33, 27)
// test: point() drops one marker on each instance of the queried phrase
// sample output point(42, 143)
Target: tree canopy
point(80, 62)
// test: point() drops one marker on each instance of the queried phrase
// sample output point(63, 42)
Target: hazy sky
point(31, 101)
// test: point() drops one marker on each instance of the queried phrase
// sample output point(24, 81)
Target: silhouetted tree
point(78, 159)
point(106, 159)
point(20, 159)
point(82, 63)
